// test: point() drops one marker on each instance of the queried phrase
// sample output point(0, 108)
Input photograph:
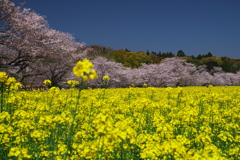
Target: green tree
point(211, 62)
point(199, 57)
point(180, 53)
point(147, 52)
point(227, 65)
point(127, 50)
point(209, 54)
point(130, 59)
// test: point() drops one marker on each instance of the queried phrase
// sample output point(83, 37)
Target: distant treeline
point(135, 59)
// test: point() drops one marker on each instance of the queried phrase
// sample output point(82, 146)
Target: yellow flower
point(93, 74)
point(16, 86)
point(10, 81)
point(210, 86)
point(47, 82)
point(54, 90)
point(25, 153)
point(106, 78)
point(14, 151)
point(82, 67)
point(19, 152)
point(85, 78)
point(3, 76)
point(85, 70)
point(72, 83)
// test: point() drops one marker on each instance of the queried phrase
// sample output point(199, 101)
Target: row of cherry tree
point(170, 72)
point(31, 51)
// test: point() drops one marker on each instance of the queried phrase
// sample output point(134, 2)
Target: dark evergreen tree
point(199, 57)
point(153, 52)
point(211, 64)
point(170, 54)
point(180, 53)
point(159, 54)
point(127, 50)
point(209, 54)
point(227, 65)
point(147, 52)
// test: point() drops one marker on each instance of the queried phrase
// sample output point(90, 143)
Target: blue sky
point(194, 26)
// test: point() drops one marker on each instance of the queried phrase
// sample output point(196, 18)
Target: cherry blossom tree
point(221, 78)
point(116, 72)
point(204, 77)
point(170, 72)
point(31, 50)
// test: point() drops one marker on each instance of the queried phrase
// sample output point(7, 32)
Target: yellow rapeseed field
point(126, 123)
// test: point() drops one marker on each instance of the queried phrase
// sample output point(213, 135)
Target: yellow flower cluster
point(3, 76)
point(106, 78)
point(131, 123)
point(145, 85)
point(47, 82)
point(85, 70)
point(19, 152)
point(72, 83)
point(8, 83)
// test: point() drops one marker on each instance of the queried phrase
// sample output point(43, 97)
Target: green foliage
point(180, 53)
point(127, 50)
point(209, 54)
point(166, 55)
point(211, 62)
point(135, 59)
point(130, 59)
point(229, 65)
